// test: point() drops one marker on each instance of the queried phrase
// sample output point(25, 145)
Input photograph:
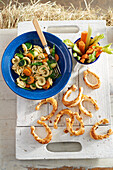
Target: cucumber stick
point(88, 36)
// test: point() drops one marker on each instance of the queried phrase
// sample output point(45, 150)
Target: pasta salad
point(34, 69)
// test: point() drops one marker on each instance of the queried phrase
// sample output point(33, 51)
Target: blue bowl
point(65, 64)
point(79, 61)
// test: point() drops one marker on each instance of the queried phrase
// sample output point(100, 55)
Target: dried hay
point(15, 12)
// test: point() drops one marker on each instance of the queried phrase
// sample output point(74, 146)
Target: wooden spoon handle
point(39, 32)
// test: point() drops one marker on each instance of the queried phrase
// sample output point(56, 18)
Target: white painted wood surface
point(27, 116)
point(8, 117)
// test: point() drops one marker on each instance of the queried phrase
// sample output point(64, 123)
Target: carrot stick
point(98, 53)
point(84, 36)
point(82, 46)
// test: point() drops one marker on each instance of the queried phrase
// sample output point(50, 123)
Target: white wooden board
point(27, 116)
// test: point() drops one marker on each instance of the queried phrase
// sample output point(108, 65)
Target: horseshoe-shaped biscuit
point(74, 102)
point(47, 139)
point(78, 132)
point(94, 135)
point(60, 114)
point(92, 86)
point(54, 104)
point(82, 108)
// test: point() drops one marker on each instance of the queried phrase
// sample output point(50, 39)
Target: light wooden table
point(8, 123)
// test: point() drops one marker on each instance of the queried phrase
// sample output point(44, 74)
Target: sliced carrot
point(56, 57)
point(45, 59)
point(84, 36)
point(98, 49)
point(81, 46)
point(27, 85)
point(30, 56)
point(91, 46)
point(78, 42)
point(47, 85)
point(85, 56)
point(90, 51)
point(98, 53)
point(29, 68)
point(30, 80)
point(27, 72)
point(46, 55)
point(82, 60)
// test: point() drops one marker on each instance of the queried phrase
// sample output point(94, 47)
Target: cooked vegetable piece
point(77, 50)
point(30, 80)
point(82, 60)
point(19, 55)
point(46, 55)
point(27, 85)
point(27, 72)
point(92, 57)
point(53, 51)
point(74, 54)
point(92, 40)
point(28, 45)
point(45, 59)
point(56, 57)
point(22, 63)
point(81, 46)
point(85, 56)
point(69, 43)
point(29, 68)
point(34, 52)
point(78, 57)
point(29, 55)
point(23, 77)
point(53, 65)
point(33, 84)
point(37, 64)
point(90, 51)
point(98, 53)
point(47, 85)
point(101, 36)
point(88, 37)
point(84, 36)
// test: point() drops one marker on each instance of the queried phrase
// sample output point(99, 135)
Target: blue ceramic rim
point(50, 92)
point(79, 61)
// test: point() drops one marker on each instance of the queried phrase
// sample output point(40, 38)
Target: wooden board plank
point(28, 148)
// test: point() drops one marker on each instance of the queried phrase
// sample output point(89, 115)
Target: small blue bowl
point(65, 64)
point(78, 60)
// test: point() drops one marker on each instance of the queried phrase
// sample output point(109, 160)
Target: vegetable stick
point(82, 46)
point(84, 36)
point(88, 36)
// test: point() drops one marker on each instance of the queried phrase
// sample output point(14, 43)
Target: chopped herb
point(28, 45)
point(53, 51)
point(33, 84)
point(37, 64)
point(19, 55)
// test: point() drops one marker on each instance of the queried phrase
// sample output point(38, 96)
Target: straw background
point(13, 12)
